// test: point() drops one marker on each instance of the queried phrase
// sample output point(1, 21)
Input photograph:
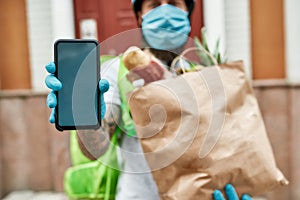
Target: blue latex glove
point(54, 84)
point(230, 194)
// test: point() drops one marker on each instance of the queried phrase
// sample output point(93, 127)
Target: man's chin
point(166, 55)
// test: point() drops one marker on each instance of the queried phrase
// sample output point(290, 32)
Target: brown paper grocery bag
point(202, 130)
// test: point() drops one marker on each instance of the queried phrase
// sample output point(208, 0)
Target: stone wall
point(34, 155)
point(280, 106)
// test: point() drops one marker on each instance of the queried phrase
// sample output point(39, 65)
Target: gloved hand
point(54, 84)
point(230, 194)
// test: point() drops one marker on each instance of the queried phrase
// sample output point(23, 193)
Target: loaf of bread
point(135, 57)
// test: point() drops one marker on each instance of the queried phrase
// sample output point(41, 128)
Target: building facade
point(264, 34)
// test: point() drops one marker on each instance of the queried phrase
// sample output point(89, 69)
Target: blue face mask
point(166, 27)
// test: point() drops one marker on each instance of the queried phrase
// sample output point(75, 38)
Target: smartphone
point(78, 68)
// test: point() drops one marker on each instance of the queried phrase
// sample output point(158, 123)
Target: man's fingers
point(51, 100)
point(52, 116)
point(103, 107)
point(218, 195)
point(53, 83)
point(246, 197)
point(50, 67)
point(230, 192)
point(103, 85)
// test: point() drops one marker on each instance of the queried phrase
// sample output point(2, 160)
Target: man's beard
point(164, 55)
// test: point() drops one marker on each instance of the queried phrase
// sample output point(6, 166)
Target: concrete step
point(31, 195)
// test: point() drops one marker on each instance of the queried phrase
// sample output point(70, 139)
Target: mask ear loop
point(181, 57)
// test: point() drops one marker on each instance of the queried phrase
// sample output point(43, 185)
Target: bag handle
point(181, 57)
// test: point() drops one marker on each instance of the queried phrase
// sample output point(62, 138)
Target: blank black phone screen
point(78, 69)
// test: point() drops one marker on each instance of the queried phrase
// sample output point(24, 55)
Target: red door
point(106, 19)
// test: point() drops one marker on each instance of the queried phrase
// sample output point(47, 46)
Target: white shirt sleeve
point(110, 71)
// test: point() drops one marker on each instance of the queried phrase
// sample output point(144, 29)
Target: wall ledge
point(269, 83)
point(22, 93)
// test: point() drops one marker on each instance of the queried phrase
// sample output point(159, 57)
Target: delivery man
point(136, 181)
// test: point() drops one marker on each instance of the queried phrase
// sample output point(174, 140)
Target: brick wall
point(34, 155)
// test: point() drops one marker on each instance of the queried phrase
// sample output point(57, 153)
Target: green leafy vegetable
point(207, 57)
